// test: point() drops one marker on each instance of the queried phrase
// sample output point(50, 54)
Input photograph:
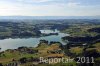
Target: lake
point(11, 43)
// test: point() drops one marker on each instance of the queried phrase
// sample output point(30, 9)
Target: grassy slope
point(7, 56)
point(81, 30)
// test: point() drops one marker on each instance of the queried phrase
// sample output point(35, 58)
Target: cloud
point(73, 4)
point(47, 8)
point(34, 1)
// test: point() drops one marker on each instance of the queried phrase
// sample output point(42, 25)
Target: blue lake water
point(11, 43)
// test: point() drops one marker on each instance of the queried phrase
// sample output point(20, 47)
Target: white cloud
point(73, 4)
point(69, 8)
point(34, 1)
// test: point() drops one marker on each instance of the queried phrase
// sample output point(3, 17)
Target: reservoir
point(11, 43)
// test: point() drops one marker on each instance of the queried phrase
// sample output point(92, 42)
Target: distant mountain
point(49, 17)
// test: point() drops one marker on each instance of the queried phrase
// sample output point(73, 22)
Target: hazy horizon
point(49, 17)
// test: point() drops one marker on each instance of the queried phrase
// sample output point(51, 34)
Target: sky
point(49, 7)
